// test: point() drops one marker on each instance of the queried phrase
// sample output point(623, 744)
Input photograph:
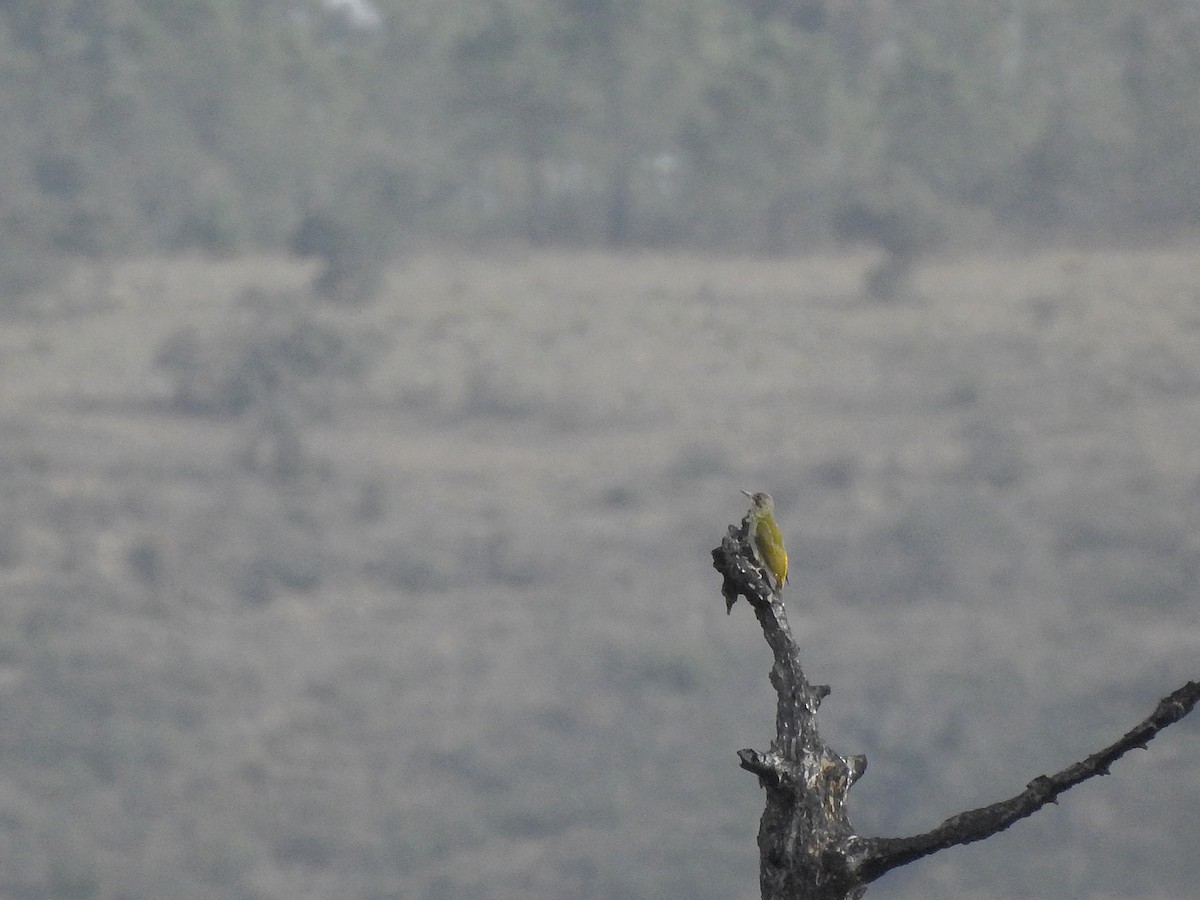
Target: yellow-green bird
point(767, 539)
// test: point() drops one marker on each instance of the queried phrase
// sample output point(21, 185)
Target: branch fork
point(807, 847)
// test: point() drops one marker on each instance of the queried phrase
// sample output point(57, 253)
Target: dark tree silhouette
point(808, 849)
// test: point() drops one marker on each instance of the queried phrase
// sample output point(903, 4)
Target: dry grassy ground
point(431, 615)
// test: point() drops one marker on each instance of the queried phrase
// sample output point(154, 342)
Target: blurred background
point(377, 375)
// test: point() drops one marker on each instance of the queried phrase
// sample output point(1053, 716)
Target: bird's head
point(760, 500)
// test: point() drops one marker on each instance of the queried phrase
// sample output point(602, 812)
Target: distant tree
point(322, 237)
point(759, 130)
point(512, 94)
point(598, 36)
point(1159, 44)
point(900, 216)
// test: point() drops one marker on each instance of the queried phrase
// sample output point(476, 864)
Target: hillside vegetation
point(228, 126)
point(413, 598)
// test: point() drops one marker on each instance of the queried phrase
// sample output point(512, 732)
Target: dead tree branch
point(807, 847)
point(880, 855)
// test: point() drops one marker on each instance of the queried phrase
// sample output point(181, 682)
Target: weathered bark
point(807, 847)
point(804, 833)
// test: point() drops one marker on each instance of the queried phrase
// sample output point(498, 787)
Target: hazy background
point(377, 378)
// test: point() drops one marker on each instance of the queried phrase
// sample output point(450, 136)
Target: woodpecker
point(767, 540)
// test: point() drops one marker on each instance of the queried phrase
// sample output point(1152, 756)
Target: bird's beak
point(748, 494)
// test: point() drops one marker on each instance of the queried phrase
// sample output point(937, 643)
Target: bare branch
point(875, 856)
point(807, 847)
point(804, 829)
